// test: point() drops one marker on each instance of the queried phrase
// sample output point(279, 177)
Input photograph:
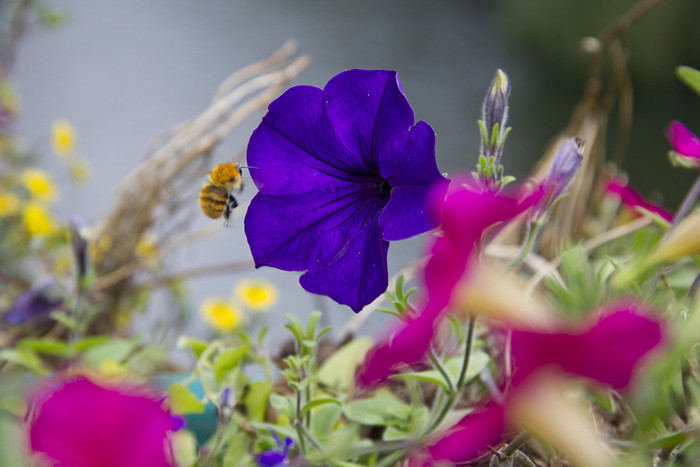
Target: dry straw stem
point(146, 196)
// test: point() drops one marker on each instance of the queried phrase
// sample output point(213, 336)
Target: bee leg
point(231, 204)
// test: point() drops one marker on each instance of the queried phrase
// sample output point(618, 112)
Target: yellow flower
point(79, 170)
point(147, 249)
point(9, 204)
point(37, 220)
point(257, 294)
point(39, 185)
point(222, 315)
point(63, 138)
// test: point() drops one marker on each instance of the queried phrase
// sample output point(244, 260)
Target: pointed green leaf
point(690, 76)
point(182, 401)
point(195, 345)
point(255, 400)
point(228, 359)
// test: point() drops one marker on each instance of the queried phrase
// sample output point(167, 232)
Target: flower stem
point(530, 237)
point(299, 425)
point(453, 395)
point(443, 371)
point(686, 205)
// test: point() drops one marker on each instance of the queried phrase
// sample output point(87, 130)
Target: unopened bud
point(494, 114)
point(226, 403)
point(564, 168)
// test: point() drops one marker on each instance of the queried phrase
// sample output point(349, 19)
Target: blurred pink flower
point(632, 199)
point(77, 423)
point(465, 213)
point(608, 352)
point(684, 141)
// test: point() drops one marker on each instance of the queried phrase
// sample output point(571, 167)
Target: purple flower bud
point(32, 303)
point(564, 168)
point(495, 111)
point(77, 226)
point(226, 403)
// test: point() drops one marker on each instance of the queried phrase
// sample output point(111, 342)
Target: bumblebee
point(216, 197)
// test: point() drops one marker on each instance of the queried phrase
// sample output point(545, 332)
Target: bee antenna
point(246, 167)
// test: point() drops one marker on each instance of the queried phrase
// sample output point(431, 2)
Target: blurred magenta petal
point(607, 352)
point(78, 423)
point(632, 199)
point(683, 141)
point(464, 215)
point(470, 438)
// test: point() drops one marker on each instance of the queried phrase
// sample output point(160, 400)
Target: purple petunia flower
point(275, 457)
point(82, 424)
point(341, 172)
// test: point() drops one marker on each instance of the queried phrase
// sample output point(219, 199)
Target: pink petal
point(468, 439)
point(80, 424)
point(683, 141)
point(464, 214)
point(607, 352)
point(632, 199)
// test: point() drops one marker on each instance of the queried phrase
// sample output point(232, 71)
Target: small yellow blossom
point(9, 204)
point(39, 185)
point(147, 249)
point(257, 294)
point(79, 170)
point(37, 220)
point(63, 138)
point(222, 315)
point(112, 368)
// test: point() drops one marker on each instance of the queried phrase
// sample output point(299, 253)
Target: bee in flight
point(216, 197)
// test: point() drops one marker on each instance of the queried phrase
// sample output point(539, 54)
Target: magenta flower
point(683, 141)
point(78, 423)
point(464, 215)
point(607, 352)
point(632, 199)
point(341, 172)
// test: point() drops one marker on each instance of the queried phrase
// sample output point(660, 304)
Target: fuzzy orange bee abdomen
point(212, 200)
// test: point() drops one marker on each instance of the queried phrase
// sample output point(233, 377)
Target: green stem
point(454, 394)
point(299, 425)
point(530, 237)
point(467, 352)
point(443, 371)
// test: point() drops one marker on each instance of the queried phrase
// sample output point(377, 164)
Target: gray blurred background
point(125, 71)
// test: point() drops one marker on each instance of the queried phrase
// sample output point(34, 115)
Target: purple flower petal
point(357, 278)
point(683, 141)
point(366, 108)
point(340, 171)
point(78, 423)
point(33, 303)
point(468, 439)
point(607, 352)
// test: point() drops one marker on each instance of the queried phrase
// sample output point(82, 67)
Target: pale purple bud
point(566, 165)
point(226, 404)
point(495, 111)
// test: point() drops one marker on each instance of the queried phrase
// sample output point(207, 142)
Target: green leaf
point(112, 349)
point(319, 402)
point(283, 405)
point(47, 346)
point(227, 360)
point(12, 442)
point(236, 454)
point(689, 76)
point(195, 345)
point(381, 411)
point(477, 362)
point(65, 319)
point(325, 419)
point(255, 400)
point(25, 357)
point(183, 401)
point(295, 326)
point(87, 342)
point(311, 324)
point(338, 371)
